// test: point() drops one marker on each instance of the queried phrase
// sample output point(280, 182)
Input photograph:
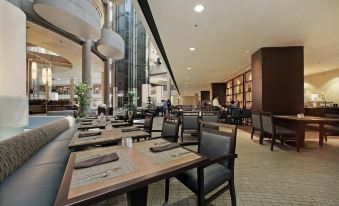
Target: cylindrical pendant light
point(34, 70)
point(44, 75)
point(49, 77)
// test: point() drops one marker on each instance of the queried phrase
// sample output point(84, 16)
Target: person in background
point(233, 105)
point(169, 105)
point(216, 105)
point(164, 107)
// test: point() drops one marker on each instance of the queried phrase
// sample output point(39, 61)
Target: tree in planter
point(82, 90)
point(130, 99)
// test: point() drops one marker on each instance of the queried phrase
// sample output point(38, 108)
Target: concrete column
point(106, 85)
point(169, 86)
point(71, 90)
point(47, 91)
point(113, 87)
point(86, 65)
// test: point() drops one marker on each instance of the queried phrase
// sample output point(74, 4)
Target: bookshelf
point(240, 89)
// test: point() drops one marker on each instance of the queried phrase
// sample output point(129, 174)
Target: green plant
point(130, 99)
point(82, 90)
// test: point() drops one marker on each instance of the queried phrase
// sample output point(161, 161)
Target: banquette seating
point(32, 164)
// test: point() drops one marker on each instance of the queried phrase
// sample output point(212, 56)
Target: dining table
point(107, 136)
point(94, 124)
point(301, 121)
point(135, 169)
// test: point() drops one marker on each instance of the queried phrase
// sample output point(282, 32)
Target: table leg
point(138, 197)
point(321, 134)
point(300, 136)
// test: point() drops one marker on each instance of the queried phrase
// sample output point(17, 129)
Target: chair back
point(235, 112)
point(148, 124)
point(170, 129)
point(267, 123)
point(333, 116)
point(209, 117)
point(246, 113)
point(130, 116)
point(217, 142)
point(190, 120)
point(256, 120)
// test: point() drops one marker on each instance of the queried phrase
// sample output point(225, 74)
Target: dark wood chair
point(276, 132)
point(147, 125)
point(210, 117)
point(219, 145)
point(190, 123)
point(128, 120)
point(331, 129)
point(170, 129)
point(235, 114)
point(257, 125)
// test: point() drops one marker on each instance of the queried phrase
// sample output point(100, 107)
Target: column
point(106, 85)
point(86, 65)
point(71, 91)
point(113, 87)
point(168, 86)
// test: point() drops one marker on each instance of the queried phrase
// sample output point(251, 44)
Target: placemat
point(85, 176)
point(161, 157)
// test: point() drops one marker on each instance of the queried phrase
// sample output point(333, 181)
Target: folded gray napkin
point(89, 134)
point(160, 148)
point(130, 129)
point(96, 161)
point(87, 120)
point(117, 121)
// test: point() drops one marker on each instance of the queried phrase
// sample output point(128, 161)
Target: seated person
point(216, 105)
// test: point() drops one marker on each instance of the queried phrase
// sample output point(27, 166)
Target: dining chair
point(210, 116)
point(147, 125)
point(170, 129)
point(190, 123)
point(331, 129)
point(235, 115)
point(245, 115)
point(219, 146)
point(257, 125)
point(275, 132)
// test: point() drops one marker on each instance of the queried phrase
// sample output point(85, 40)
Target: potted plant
point(82, 90)
point(130, 99)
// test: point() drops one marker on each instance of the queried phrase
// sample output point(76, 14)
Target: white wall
point(325, 84)
point(13, 99)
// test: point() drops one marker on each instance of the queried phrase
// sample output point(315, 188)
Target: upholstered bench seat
point(34, 179)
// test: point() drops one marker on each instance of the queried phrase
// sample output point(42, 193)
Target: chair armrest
point(219, 159)
point(189, 144)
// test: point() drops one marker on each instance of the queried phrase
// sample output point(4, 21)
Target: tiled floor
point(281, 177)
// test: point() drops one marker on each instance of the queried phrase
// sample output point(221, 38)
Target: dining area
point(109, 160)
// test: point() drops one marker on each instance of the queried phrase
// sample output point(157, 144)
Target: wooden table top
point(308, 119)
point(110, 135)
point(94, 125)
point(136, 167)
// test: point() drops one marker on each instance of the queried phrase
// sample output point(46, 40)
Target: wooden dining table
point(94, 125)
point(136, 168)
point(301, 124)
point(107, 136)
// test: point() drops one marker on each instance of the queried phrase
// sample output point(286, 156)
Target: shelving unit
point(240, 89)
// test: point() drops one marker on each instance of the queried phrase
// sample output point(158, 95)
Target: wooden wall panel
point(219, 90)
point(278, 80)
point(205, 95)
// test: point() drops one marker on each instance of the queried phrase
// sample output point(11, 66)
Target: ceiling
point(64, 47)
point(229, 31)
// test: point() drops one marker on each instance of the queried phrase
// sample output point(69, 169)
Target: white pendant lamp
point(44, 75)
point(49, 77)
point(34, 70)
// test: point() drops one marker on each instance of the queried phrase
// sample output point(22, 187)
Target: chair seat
point(282, 131)
point(331, 129)
point(214, 176)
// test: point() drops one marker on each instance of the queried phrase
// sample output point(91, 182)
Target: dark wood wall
point(219, 90)
point(278, 80)
point(205, 95)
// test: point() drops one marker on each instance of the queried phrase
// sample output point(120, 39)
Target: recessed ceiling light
point(199, 8)
point(192, 49)
point(247, 51)
point(188, 68)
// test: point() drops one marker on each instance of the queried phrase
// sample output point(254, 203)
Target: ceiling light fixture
point(192, 49)
point(188, 68)
point(199, 8)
